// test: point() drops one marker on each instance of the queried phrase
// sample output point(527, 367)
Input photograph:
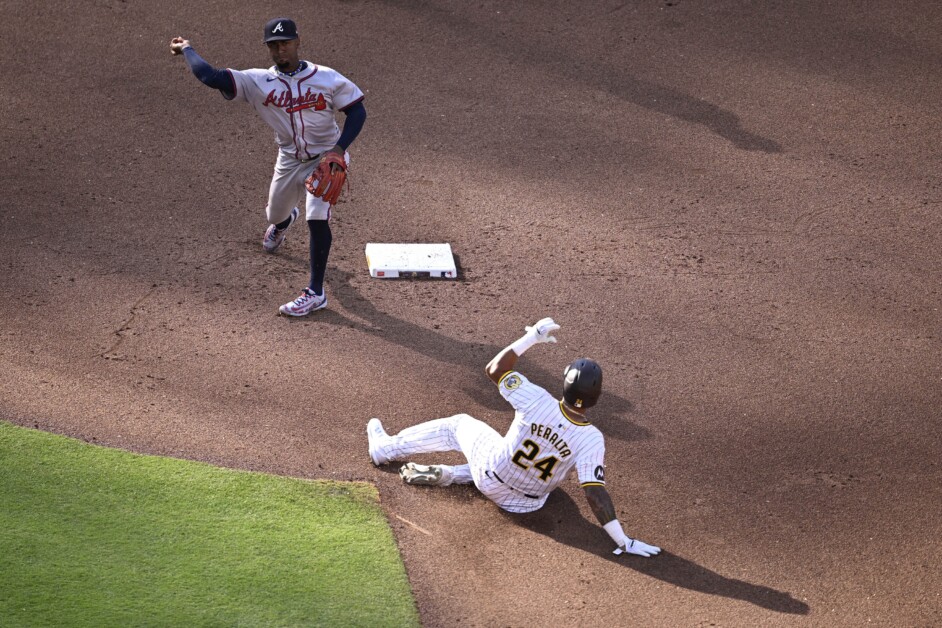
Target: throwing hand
point(177, 44)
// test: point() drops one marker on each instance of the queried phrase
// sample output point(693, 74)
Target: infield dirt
point(734, 207)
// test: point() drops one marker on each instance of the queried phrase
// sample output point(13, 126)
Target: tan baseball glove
point(327, 181)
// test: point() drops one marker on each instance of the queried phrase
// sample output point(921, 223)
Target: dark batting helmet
point(583, 383)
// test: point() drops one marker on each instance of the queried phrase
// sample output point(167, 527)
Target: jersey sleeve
point(346, 93)
point(208, 75)
point(590, 460)
point(245, 83)
point(519, 392)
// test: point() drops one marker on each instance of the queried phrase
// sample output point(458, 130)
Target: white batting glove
point(543, 328)
point(638, 548)
point(626, 544)
point(539, 332)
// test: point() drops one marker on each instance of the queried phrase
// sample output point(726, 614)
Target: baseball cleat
point(422, 474)
point(374, 434)
point(275, 237)
point(306, 303)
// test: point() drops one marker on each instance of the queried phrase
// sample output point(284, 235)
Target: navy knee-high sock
point(320, 250)
point(284, 224)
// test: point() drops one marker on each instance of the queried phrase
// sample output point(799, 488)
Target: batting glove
point(540, 332)
point(638, 548)
point(543, 328)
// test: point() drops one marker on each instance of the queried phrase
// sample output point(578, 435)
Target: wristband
point(615, 531)
point(523, 343)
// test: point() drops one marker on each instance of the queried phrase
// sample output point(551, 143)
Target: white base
point(391, 260)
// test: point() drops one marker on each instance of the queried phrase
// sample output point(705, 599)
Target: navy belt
point(317, 156)
point(497, 477)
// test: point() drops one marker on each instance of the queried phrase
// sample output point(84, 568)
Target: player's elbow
point(497, 368)
point(491, 371)
point(356, 111)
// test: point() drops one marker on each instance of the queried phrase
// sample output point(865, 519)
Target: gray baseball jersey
point(299, 108)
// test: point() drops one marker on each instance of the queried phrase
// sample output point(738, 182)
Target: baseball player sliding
point(546, 440)
point(298, 100)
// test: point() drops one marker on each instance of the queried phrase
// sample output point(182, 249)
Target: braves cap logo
point(279, 29)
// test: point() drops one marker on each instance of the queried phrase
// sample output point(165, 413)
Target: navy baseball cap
point(280, 29)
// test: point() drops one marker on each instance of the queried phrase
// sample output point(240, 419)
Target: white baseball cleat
point(421, 474)
point(375, 434)
point(275, 237)
point(306, 303)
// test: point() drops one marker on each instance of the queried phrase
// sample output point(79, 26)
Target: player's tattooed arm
point(600, 502)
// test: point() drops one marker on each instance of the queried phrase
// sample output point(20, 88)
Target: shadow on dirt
point(562, 521)
point(614, 423)
point(610, 78)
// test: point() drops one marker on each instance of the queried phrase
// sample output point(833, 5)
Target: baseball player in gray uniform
point(298, 99)
point(546, 440)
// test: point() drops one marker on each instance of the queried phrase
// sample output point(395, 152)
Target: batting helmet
point(583, 383)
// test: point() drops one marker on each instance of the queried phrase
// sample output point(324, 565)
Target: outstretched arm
point(207, 74)
point(601, 504)
point(502, 362)
point(507, 358)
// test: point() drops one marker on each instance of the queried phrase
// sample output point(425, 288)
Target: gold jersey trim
point(569, 418)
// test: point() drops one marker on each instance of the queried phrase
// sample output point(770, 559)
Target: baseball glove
point(326, 182)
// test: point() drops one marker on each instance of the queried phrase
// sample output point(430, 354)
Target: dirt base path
point(734, 207)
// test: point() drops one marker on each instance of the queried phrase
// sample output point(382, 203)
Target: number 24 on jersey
point(525, 460)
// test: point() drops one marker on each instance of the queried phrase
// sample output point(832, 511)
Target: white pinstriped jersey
point(299, 108)
point(543, 443)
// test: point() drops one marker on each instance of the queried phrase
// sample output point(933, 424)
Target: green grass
point(91, 536)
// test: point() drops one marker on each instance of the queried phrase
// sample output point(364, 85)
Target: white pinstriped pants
point(479, 443)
